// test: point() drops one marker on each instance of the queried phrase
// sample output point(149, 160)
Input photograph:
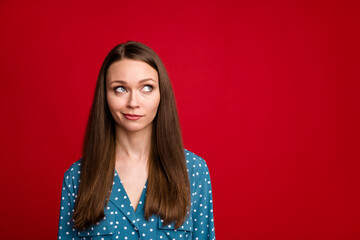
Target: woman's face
point(133, 94)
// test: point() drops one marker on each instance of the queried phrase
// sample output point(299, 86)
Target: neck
point(133, 146)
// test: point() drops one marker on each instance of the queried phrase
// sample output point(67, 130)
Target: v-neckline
point(141, 203)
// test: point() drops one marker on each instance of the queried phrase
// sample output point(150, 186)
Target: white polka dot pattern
point(122, 222)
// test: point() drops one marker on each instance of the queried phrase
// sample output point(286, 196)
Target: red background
point(267, 93)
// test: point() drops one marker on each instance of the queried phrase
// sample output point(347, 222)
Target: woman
point(135, 180)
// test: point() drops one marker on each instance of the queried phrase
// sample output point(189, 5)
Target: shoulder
point(74, 169)
point(72, 176)
point(199, 178)
point(194, 161)
point(196, 165)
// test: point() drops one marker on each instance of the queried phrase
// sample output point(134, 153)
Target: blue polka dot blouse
point(122, 222)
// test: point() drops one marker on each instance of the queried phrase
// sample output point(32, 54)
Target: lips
point(132, 116)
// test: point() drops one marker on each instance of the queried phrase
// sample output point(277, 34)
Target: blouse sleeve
point(66, 231)
point(203, 218)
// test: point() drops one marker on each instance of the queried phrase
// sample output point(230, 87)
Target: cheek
point(155, 104)
point(151, 108)
point(110, 104)
point(114, 103)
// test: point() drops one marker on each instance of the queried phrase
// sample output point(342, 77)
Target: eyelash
point(118, 87)
point(147, 85)
point(151, 87)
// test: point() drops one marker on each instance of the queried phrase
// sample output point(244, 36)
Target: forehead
point(130, 70)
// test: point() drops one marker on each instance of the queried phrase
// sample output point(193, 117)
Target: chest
point(133, 179)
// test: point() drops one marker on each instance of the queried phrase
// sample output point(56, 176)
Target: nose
point(133, 101)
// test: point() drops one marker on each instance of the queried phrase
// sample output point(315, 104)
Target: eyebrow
point(124, 82)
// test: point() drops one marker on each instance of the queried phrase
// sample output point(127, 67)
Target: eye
point(147, 88)
point(120, 89)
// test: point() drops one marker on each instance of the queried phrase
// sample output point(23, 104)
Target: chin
point(134, 128)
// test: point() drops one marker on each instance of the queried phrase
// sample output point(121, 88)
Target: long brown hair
point(168, 188)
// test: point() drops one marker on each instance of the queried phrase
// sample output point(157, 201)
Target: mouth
point(132, 116)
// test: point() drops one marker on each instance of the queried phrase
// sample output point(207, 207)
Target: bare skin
point(132, 89)
point(132, 166)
